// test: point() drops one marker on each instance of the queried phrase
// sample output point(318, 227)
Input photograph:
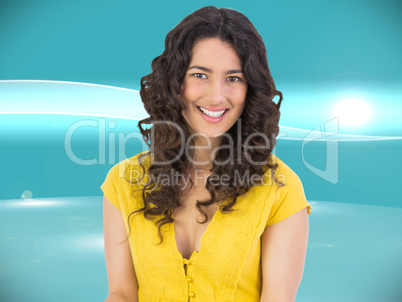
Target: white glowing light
point(36, 203)
point(352, 112)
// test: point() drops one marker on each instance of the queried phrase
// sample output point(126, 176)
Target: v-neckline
point(204, 237)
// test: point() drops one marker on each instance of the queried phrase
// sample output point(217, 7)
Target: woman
point(214, 123)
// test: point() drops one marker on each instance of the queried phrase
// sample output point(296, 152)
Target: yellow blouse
point(228, 264)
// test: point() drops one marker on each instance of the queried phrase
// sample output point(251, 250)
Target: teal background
point(114, 42)
point(66, 63)
point(318, 52)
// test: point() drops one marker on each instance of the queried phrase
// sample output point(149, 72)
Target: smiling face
point(214, 89)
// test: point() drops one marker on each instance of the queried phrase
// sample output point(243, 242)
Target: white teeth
point(212, 113)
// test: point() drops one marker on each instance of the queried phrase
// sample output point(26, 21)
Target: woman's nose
point(216, 91)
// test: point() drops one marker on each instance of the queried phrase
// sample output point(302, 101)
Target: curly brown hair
point(159, 93)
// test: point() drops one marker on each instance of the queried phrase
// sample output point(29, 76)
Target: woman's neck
point(204, 149)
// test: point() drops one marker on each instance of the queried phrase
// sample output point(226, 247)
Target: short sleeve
point(290, 199)
point(110, 186)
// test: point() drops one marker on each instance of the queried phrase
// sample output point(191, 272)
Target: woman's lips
point(210, 118)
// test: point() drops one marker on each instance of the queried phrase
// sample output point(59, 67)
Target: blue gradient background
point(319, 53)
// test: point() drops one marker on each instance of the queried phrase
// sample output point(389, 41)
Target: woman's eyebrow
point(209, 70)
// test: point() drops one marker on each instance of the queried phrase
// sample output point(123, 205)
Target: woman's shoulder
point(131, 169)
point(278, 178)
point(285, 177)
point(123, 177)
point(142, 159)
point(135, 168)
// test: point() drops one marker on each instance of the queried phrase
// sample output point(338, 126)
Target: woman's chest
point(226, 246)
point(187, 227)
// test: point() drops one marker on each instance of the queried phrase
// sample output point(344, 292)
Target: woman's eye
point(199, 75)
point(233, 79)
